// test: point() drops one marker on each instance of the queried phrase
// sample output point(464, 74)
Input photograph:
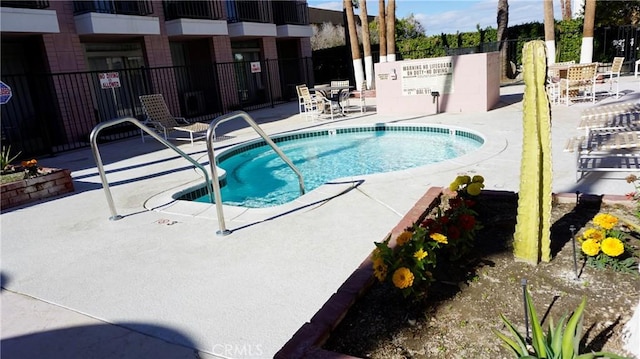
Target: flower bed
point(309, 340)
point(52, 182)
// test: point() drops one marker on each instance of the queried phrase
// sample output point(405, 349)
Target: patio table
point(326, 92)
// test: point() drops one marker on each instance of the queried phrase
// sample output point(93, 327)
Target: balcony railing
point(290, 12)
point(249, 10)
point(26, 4)
point(180, 9)
point(142, 8)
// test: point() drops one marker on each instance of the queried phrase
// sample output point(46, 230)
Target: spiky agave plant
point(6, 158)
point(560, 342)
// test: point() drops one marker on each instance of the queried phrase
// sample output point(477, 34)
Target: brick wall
point(34, 189)
point(221, 47)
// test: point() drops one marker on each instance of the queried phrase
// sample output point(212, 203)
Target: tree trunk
point(503, 23)
point(566, 9)
point(586, 52)
point(358, 72)
point(366, 46)
point(549, 32)
point(391, 31)
point(382, 31)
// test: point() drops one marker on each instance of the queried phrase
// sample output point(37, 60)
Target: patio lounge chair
point(618, 116)
point(162, 121)
point(606, 151)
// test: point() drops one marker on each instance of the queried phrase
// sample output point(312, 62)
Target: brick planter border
point(17, 193)
point(308, 340)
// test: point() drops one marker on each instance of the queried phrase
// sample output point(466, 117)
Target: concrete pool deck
point(160, 283)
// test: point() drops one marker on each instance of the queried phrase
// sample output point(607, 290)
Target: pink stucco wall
point(476, 87)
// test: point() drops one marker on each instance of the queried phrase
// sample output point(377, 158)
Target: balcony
point(194, 18)
point(250, 18)
point(290, 12)
point(141, 8)
point(249, 11)
point(292, 19)
point(115, 18)
point(26, 4)
point(180, 9)
point(28, 17)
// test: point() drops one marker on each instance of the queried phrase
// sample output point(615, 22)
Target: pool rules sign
point(421, 77)
point(5, 93)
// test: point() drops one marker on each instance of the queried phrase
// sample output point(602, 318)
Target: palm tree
point(382, 29)
point(358, 72)
point(391, 30)
point(503, 23)
point(366, 45)
point(566, 9)
point(549, 32)
point(586, 52)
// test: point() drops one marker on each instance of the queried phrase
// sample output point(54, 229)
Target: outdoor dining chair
point(308, 103)
point(614, 75)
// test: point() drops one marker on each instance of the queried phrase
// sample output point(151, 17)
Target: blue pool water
point(256, 177)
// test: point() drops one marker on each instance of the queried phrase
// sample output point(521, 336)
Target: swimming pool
point(256, 177)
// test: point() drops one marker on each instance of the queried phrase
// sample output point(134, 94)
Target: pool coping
point(308, 340)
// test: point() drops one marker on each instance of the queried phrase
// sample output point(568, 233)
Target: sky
point(450, 16)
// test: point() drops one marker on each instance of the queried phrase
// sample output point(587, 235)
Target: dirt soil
point(456, 318)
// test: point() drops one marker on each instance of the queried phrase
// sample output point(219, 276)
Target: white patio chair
point(614, 75)
point(308, 103)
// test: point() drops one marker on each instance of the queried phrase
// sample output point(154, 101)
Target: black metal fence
point(50, 113)
point(141, 8)
point(178, 9)
point(26, 4)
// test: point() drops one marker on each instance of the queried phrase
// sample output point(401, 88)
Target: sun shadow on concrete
point(102, 341)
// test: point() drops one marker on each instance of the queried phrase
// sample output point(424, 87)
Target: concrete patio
point(160, 283)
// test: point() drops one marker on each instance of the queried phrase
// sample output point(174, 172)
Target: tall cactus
point(532, 238)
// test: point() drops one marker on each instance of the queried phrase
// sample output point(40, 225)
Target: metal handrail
point(103, 177)
point(216, 185)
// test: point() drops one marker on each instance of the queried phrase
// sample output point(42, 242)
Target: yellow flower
point(605, 220)
point(612, 247)
point(463, 179)
point(440, 238)
point(379, 269)
point(402, 278)
point(403, 238)
point(477, 179)
point(591, 247)
point(420, 254)
point(474, 188)
point(454, 186)
point(594, 234)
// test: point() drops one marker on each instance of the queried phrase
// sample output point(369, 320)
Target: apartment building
point(73, 64)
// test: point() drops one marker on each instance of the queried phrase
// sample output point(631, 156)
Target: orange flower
point(403, 238)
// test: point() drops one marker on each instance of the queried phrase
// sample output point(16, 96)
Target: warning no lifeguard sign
point(109, 80)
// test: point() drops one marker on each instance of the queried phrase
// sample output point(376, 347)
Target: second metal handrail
point(214, 173)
